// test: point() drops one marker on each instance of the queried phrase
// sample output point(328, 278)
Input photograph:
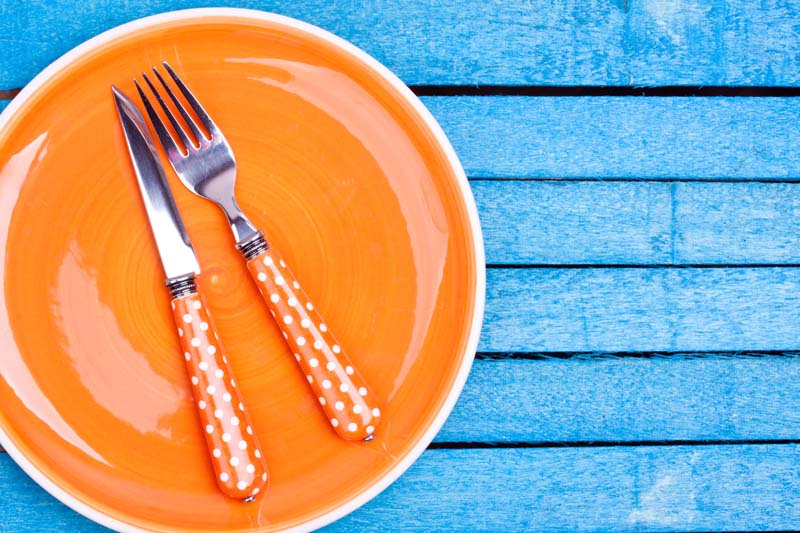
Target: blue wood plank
point(596, 222)
point(519, 42)
point(623, 137)
point(677, 488)
point(641, 309)
point(681, 397)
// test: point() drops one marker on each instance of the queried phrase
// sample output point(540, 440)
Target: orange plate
point(351, 179)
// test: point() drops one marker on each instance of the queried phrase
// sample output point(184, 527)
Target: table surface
point(637, 174)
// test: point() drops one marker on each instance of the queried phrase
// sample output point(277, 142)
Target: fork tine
point(198, 109)
point(187, 144)
point(161, 130)
point(182, 110)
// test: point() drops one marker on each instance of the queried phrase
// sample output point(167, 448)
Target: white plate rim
point(480, 280)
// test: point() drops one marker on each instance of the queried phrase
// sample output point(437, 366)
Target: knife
point(240, 469)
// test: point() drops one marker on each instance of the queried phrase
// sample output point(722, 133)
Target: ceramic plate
point(352, 180)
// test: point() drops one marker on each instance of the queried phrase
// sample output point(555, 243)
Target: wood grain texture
point(519, 42)
point(675, 398)
point(623, 137)
point(657, 223)
point(641, 309)
point(678, 488)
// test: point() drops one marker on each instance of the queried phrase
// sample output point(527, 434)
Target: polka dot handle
point(239, 466)
point(341, 392)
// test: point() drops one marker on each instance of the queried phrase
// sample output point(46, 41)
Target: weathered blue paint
point(659, 488)
point(639, 223)
point(641, 309)
point(518, 42)
point(623, 137)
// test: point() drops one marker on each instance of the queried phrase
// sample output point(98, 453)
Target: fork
point(206, 165)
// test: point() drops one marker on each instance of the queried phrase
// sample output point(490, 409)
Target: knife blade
point(172, 240)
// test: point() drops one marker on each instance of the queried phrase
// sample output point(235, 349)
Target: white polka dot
point(323, 328)
point(187, 318)
point(349, 370)
point(331, 365)
point(318, 344)
point(241, 407)
point(234, 420)
point(376, 412)
point(195, 342)
point(227, 396)
point(203, 326)
point(203, 366)
point(233, 384)
point(334, 422)
point(218, 413)
point(217, 452)
point(226, 437)
point(370, 430)
point(344, 387)
point(297, 356)
point(310, 379)
point(262, 277)
point(255, 491)
point(326, 384)
point(242, 445)
point(352, 426)
point(180, 332)
point(209, 429)
point(241, 485)
point(219, 373)
point(292, 301)
point(250, 469)
point(321, 400)
point(268, 261)
point(196, 304)
point(275, 298)
point(187, 355)
point(339, 405)
point(201, 404)
point(249, 430)
point(295, 284)
point(301, 341)
point(279, 280)
point(309, 306)
point(336, 348)
point(212, 349)
point(305, 323)
point(287, 319)
point(282, 263)
point(313, 362)
point(195, 381)
point(211, 389)
point(257, 454)
point(234, 461)
point(224, 476)
point(264, 476)
point(362, 391)
point(356, 408)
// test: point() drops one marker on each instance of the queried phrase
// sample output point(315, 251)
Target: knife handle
point(341, 391)
point(239, 467)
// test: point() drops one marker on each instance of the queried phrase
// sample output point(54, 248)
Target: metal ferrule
point(182, 286)
point(254, 246)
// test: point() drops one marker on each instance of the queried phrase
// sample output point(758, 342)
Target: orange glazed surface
point(348, 182)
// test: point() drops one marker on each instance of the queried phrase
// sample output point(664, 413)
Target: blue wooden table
point(636, 165)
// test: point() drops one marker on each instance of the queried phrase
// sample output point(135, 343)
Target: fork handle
point(239, 467)
point(341, 391)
